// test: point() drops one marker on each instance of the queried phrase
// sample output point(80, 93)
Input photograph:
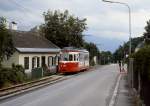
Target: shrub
point(92, 63)
point(18, 74)
point(4, 75)
point(12, 75)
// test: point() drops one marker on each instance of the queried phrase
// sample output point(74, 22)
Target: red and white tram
point(73, 60)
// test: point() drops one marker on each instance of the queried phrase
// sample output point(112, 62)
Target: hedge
point(142, 67)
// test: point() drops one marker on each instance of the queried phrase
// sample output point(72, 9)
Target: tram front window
point(64, 57)
point(67, 57)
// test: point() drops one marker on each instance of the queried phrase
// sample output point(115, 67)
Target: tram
point(73, 60)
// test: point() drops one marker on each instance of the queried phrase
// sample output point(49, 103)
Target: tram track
point(32, 85)
point(18, 89)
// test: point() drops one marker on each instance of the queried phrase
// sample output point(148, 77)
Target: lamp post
point(130, 72)
point(129, 10)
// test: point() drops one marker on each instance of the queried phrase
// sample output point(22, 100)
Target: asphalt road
point(92, 88)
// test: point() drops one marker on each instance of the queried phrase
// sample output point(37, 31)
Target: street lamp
point(130, 75)
point(125, 4)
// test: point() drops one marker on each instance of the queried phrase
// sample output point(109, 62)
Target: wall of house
point(21, 59)
point(18, 58)
point(13, 59)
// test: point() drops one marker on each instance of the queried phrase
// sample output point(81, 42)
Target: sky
point(107, 23)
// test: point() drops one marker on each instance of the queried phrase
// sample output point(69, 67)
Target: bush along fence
point(17, 75)
point(14, 75)
point(139, 74)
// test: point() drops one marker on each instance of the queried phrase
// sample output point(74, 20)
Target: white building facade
point(32, 52)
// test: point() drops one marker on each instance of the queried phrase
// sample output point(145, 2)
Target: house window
point(26, 62)
point(53, 63)
point(56, 60)
point(38, 61)
point(33, 62)
point(50, 61)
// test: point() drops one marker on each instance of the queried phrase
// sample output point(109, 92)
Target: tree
point(63, 29)
point(147, 33)
point(105, 57)
point(6, 44)
point(119, 54)
point(93, 51)
point(123, 50)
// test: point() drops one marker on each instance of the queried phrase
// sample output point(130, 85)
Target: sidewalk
point(124, 97)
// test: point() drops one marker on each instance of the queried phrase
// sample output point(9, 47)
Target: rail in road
point(21, 88)
point(90, 88)
point(28, 86)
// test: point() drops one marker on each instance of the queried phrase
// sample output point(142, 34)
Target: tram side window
point(81, 57)
point(70, 57)
point(86, 57)
point(75, 57)
point(65, 57)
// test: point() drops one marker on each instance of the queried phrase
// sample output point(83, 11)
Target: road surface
point(92, 88)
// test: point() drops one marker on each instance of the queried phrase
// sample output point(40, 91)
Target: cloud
point(103, 19)
point(4, 4)
point(103, 43)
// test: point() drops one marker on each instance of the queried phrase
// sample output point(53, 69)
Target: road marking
point(112, 101)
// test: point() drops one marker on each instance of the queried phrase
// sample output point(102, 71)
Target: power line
point(24, 9)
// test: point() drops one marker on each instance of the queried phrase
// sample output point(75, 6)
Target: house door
point(43, 61)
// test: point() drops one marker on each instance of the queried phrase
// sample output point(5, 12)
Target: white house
point(32, 51)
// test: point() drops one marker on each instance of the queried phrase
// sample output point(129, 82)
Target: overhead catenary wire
point(28, 13)
point(26, 10)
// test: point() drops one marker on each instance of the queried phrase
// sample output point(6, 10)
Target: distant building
point(95, 60)
point(32, 51)
point(13, 26)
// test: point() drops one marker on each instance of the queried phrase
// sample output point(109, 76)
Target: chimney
point(13, 25)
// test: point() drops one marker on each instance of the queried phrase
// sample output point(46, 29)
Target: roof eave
point(38, 50)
